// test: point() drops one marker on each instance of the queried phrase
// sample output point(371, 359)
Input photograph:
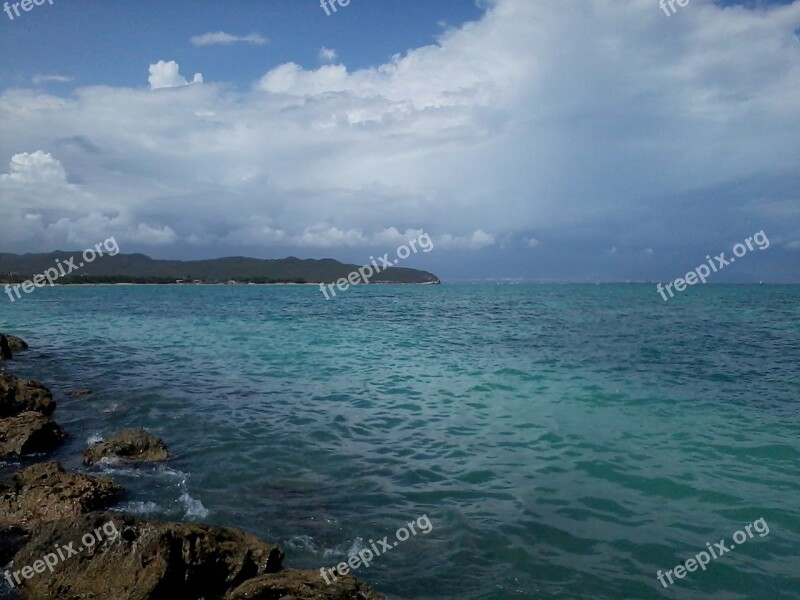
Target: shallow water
point(565, 441)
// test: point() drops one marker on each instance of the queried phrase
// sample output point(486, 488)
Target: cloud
point(80, 142)
point(327, 55)
point(226, 39)
point(533, 242)
point(35, 168)
point(594, 125)
point(39, 203)
point(167, 74)
point(39, 79)
point(152, 236)
point(477, 241)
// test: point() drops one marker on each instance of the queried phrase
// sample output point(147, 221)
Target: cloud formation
point(39, 79)
point(583, 126)
point(327, 55)
point(226, 39)
point(165, 74)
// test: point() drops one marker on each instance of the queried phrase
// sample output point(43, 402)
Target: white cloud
point(35, 167)
point(327, 55)
point(165, 74)
point(330, 237)
point(392, 237)
point(220, 37)
point(39, 79)
point(323, 236)
point(477, 241)
point(533, 242)
point(508, 125)
point(152, 236)
point(39, 203)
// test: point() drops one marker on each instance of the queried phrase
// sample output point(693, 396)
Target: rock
point(46, 492)
point(29, 433)
point(130, 445)
point(293, 584)
point(16, 344)
point(5, 349)
point(12, 539)
point(79, 393)
point(22, 395)
point(149, 560)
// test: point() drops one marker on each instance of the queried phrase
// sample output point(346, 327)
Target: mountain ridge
point(140, 268)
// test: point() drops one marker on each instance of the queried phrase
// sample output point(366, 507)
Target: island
point(141, 269)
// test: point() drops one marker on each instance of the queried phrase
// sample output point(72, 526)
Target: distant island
point(141, 269)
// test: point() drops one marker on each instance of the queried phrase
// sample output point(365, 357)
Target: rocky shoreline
point(44, 509)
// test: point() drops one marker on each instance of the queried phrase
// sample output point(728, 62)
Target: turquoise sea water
point(565, 441)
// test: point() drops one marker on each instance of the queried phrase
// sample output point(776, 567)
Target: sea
point(563, 441)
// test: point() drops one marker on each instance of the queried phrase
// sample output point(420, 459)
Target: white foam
point(303, 542)
point(140, 508)
point(306, 543)
point(194, 508)
point(357, 546)
point(115, 466)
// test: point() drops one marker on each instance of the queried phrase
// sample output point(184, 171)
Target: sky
point(546, 140)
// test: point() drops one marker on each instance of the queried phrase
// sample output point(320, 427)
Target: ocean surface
point(565, 441)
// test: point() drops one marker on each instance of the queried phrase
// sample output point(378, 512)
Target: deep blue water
point(565, 441)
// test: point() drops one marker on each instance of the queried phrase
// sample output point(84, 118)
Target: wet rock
point(22, 395)
point(148, 560)
point(16, 344)
point(5, 349)
point(29, 433)
point(12, 538)
point(130, 445)
point(79, 393)
point(293, 584)
point(46, 492)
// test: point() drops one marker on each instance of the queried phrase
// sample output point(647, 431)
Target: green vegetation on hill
point(138, 268)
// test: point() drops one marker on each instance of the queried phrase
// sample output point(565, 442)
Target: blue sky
point(107, 42)
point(551, 140)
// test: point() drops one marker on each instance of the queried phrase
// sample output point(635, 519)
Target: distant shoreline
point(227, 284)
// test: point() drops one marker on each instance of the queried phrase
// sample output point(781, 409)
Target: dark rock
point(16, 344)
point(46, 492)
point(5, 349)
point(29, 433)
point(130, 445)
point(22, 395)
point(79, 393)
point(293, 584)
point(12, 539)
point(148, 560)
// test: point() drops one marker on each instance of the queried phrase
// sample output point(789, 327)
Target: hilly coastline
point(139, 268)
